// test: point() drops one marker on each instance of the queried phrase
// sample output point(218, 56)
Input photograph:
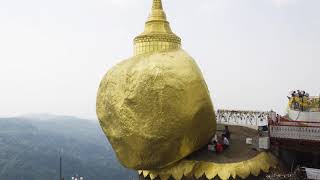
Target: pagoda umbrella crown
point(157, 35)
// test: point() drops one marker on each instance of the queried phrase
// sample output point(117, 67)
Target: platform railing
point(286, 129)
point(251, 119)
point(294, 132)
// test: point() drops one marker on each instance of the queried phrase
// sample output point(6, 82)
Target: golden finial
point(157, 35)
point(157, 4)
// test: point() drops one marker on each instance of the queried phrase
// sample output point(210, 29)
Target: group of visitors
point(219, 144)
point(301, 101)
point(299, 94)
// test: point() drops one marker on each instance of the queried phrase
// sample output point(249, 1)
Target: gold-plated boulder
point(155, 109)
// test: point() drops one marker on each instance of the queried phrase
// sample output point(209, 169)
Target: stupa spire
point(157, 12)
point(157, 35)
point(157, 4)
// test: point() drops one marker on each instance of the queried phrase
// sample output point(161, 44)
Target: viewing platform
point(302, 107)
point(238, 151)
point(239, 161)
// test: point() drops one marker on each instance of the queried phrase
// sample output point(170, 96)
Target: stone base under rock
point(239, 161)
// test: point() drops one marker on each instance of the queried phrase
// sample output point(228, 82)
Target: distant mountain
point(30, 146)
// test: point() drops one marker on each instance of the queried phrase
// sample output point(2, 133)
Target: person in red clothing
point(218, 146)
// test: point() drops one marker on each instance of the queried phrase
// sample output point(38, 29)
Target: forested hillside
point(30, 148)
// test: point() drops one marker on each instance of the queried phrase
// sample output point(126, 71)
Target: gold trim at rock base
point(262, 162)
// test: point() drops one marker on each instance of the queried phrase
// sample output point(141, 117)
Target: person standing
point(226, 132)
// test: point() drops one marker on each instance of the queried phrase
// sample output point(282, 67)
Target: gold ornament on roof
point(157, 35)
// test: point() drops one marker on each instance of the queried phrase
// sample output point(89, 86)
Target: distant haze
point(53, 54)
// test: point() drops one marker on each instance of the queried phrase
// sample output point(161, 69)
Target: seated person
point(226, 142)
point(218, 147)
point(214, 138)
point(211, 148)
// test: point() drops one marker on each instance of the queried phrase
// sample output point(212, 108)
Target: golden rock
point(155, 107)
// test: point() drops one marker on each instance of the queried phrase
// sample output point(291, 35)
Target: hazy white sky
point(53, 54)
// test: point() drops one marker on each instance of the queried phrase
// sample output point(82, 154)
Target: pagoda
point(156, 111)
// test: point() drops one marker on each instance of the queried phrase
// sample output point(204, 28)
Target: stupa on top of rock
point(155, 107)
point(157, 35)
